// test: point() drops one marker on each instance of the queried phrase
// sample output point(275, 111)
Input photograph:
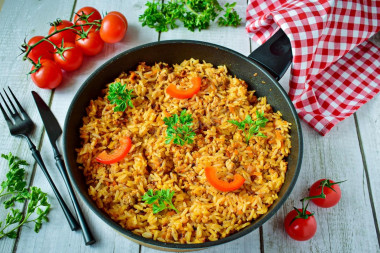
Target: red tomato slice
point(174, 92)
point(221, 185)
point(116, 155)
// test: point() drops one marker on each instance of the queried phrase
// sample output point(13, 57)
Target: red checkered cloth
point(335, 68)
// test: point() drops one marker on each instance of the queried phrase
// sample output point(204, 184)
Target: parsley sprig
point(230, 17)
point(251, 127)
point(194, 14)
point(121, 96)
point(179, 129)
point(163, 197)
point(15, 187)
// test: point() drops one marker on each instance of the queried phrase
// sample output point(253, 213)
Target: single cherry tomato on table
point(113, 28)
point(116, 155)
point(44, 50)
point(48, 75)
point(331, 190)
point(68, 56)
point(67, 35)
point(86, 15)
point(300, 226)
point(89, 42)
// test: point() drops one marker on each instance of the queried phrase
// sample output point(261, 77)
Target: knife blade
point(54, 130)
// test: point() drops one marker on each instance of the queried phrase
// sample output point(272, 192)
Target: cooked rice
point(205, 214)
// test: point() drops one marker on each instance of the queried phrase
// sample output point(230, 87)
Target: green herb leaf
point(251, 127)
point(230, 17)
point(163, 197)
point(15, 188)
point(179, 129)
point(194, 14)
point(121, 96)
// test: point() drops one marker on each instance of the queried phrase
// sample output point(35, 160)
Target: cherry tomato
point(72, 58)
point(117, 154)
point(300, 229)
point(120, 15)
point(67, 36)
point(44, 49)
point(82, 15)
point(92, 45)
point(113, 28)
point(48, 76)
point(332, 196)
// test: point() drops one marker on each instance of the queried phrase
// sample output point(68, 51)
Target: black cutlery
point(54, 130)
point(23, 126)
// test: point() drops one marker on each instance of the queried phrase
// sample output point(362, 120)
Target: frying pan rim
point(175, 246)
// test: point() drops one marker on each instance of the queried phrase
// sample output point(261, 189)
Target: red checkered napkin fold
point(335, 68)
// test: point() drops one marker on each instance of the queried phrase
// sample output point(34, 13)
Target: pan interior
point(173, 52)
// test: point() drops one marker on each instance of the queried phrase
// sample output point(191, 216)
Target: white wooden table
point(351, 151)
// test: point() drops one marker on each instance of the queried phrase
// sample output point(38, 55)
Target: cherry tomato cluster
point(68, 42)
point(300, 224)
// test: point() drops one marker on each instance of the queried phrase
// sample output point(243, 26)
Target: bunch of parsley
point(179, 129)
point(14, 187)
point(251, 127)
point(194, 14)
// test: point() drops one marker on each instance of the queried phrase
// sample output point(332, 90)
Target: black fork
point(23, 126)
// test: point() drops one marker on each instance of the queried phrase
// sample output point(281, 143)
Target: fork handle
point(87, 235)
point(37, 156)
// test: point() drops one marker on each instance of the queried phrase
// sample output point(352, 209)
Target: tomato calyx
point(83, 34)
point(37, 65)
point(302, 214)
point(62, 49)
point(85, 17)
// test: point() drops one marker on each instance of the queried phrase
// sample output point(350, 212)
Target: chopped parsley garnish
point(163, 197)
point(251, 127)
point(180, 129)
point(121, 96)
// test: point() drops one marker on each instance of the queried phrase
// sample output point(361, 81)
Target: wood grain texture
point(16, 24)
point(368, 120)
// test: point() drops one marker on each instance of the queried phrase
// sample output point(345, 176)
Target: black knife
point(54, 130)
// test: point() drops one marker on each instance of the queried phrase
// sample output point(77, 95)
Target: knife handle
point(37, 156)
point(87, 235)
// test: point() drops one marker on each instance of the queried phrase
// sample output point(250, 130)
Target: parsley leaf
point(179, 129)
point(163, 197)
point(15, 186)
point(253, 126)
point(121, 96)
point(194, 14)
point(231, 17)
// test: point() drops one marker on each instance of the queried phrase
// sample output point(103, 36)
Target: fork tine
point(7, 119)
point(5, 102)
point(10, 101)
point(18, 103)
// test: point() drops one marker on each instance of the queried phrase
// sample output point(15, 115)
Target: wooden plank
point(16, 24)
point(336, 156)
point(368, 119)
point(236, 39)
point(56, 236)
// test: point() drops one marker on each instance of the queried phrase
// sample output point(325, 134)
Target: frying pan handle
point(275, 55)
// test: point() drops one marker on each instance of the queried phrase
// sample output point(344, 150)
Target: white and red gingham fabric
point(335, 68)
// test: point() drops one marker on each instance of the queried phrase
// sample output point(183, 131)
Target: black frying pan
point(269, 61)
